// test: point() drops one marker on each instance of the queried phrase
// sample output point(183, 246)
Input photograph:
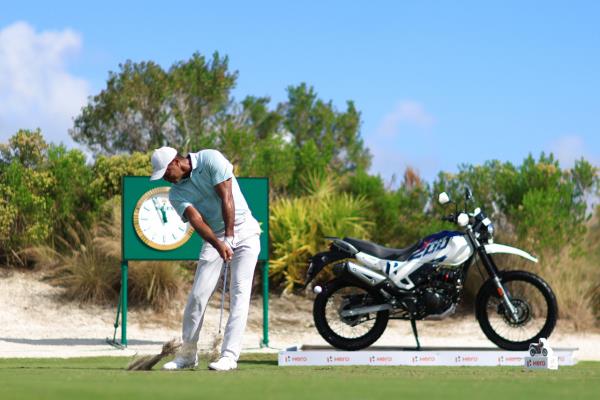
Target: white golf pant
point(210, 264)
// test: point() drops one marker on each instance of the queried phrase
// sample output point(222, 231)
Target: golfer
point(206, 194)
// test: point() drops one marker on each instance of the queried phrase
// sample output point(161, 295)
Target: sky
point(438, 83)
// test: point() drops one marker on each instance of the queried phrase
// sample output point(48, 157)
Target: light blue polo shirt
point(209, 168)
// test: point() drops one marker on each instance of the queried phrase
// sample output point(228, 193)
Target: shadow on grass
point(56, 368)
point(258, 362)
point(72, 342)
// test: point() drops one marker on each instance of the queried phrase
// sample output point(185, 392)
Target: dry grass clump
point(87, 274)
point(574, 281)
point(594, 262)
point(594, 295)
point(89, 267)
point(573, 274)
point(155, 284)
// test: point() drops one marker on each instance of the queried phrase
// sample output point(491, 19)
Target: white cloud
point(36, 89)
point(406, 112)
point(388, 161)
point(392, 156)
point(570, 148)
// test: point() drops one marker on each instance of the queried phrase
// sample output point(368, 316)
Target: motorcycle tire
point(489, 290)
point(340, 342)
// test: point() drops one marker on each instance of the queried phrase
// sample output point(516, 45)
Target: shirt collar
point(193, 157)
point(194, 160)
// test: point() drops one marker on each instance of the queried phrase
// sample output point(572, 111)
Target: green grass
point(259, 377)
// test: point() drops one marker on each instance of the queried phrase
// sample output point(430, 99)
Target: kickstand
point(413, 325)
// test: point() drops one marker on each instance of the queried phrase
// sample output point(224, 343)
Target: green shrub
point(542, 204)
point(108, 171)
point(74, 201)
point(44, 189)
point(398, 215)
point(25, 209)
point(298, 227)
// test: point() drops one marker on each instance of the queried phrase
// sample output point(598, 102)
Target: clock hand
point(164, 214)
point(158, 210)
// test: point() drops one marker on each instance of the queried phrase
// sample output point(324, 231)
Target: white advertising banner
point(446, 357)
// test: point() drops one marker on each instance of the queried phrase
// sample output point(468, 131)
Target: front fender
point(495, 248)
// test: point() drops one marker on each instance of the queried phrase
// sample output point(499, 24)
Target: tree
point(323, 136)
point(189, 107)
point(251, 137)
point(144, 107)
point(130, 114)
point(27, 147)
point(199, 97)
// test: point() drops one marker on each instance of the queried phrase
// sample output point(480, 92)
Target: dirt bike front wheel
point(534, 303)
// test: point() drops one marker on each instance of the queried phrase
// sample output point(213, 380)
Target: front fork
point(492, 270)
point(506, 300)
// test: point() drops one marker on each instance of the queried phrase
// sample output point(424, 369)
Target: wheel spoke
point(349, 327)
point(531, 307)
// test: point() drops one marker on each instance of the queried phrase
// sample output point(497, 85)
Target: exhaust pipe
point(365, 310)
point(365, 275)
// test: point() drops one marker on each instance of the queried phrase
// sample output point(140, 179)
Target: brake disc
point(523, 312)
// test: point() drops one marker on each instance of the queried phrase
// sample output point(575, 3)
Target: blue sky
point(438, 83)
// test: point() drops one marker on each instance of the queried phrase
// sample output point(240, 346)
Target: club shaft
point(223, 294)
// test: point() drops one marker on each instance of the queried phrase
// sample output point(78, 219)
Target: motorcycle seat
point(385, 253)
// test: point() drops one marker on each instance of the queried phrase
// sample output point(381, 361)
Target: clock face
point(157, 223)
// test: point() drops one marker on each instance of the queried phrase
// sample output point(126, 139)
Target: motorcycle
point(374, 284)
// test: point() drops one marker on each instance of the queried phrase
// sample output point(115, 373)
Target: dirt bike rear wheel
point(348, 333)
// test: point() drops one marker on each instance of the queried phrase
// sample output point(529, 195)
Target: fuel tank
point(444, 248)
point(448, 248)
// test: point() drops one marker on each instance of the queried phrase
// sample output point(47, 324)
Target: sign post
point(124, 274)
point(133, 247)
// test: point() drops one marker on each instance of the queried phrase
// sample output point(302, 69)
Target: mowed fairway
point(259, 377)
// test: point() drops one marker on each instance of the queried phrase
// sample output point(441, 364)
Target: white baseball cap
point(160, 161)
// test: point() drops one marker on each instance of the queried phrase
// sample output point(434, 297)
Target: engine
point(438, 290)
point(435, 301)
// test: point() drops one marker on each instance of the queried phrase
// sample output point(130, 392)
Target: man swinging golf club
point(206, 193)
